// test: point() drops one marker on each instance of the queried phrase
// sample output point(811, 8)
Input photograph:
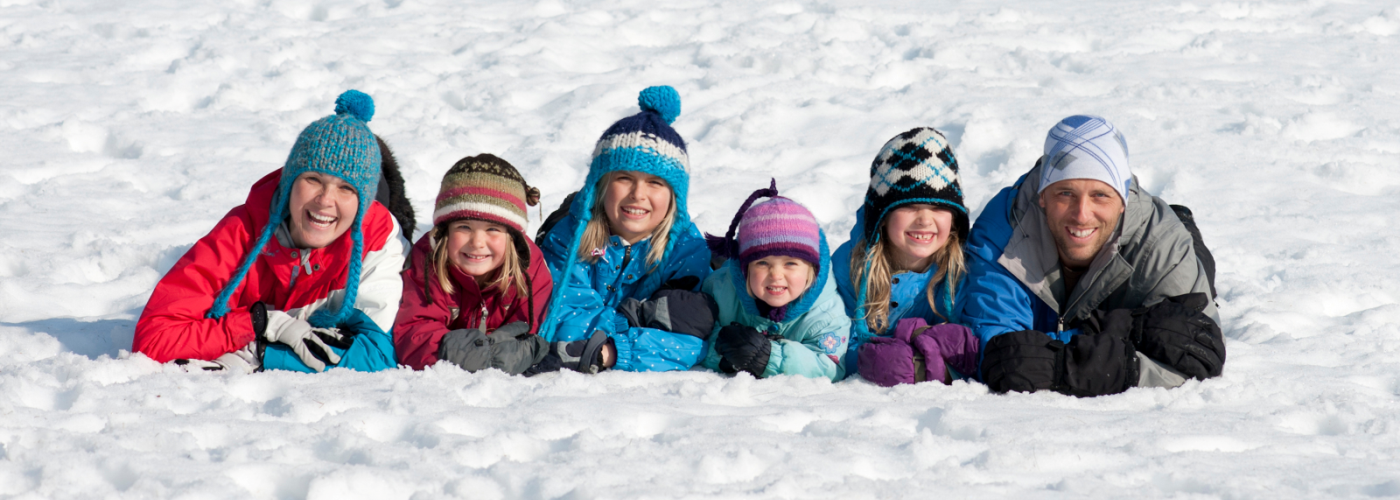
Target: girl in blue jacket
point(779, 313)
point(627, 234)
point(905, 256)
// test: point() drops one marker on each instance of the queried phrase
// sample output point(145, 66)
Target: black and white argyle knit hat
point(917, 166)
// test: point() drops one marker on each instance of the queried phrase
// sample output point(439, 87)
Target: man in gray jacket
point(1081, 282)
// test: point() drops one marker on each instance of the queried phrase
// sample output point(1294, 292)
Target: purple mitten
point(887, 361)
point(958, 348)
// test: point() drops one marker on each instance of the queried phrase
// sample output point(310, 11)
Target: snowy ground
point(130, 127)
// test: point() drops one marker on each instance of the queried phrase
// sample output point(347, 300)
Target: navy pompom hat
point(644, 142)
point(341, 145)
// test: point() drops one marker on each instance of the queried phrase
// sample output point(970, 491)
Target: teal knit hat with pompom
point(341, 145)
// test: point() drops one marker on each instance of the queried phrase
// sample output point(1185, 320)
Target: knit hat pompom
point(357, 103)
point(662, 100)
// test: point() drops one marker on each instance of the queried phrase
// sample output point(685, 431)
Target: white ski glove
point(312, 345)
point(242, 361)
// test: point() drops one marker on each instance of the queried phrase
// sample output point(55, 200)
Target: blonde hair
point(597, 232)
point(951, 264)
point(509, 273)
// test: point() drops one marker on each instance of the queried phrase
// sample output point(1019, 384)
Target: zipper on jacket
point(482, 327)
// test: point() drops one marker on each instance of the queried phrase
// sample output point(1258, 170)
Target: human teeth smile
point(321, 220)
point(634, 211)
point(921, 236)
point(1082, 233)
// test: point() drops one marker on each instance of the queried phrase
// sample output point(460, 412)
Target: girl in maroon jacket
point(476, 288)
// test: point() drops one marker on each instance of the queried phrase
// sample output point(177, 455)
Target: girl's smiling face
point(916, 232)
point(778, 279)
point(636, 203)
point(477, 247)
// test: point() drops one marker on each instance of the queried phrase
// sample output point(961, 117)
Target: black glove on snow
point(1029, 361)
point(742, 349)
point(673, 310)
point(1177, 332)
point(1096, 365)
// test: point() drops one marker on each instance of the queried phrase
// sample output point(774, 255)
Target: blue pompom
point(356, 103)
point(662, 100)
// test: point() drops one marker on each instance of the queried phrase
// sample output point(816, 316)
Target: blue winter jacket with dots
point(592, 291)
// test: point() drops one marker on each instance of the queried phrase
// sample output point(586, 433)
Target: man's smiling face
point(1081, 214)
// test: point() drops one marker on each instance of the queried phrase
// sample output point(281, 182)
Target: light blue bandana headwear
point(341, 145)
point(1086, 147)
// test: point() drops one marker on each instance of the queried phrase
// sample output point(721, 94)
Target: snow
point(130, 127)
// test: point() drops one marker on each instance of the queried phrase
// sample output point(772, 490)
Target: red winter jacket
point(173, 324)
point(420, 325)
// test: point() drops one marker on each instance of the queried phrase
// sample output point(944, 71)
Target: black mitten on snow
point(1177, 332)
point(1024, 361)
point(674, 310)
point(742, 349)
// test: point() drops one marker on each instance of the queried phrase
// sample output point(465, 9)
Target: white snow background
point(128, 128)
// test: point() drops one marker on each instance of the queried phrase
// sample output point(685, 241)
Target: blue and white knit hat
point(917, 166)
point(1086, 147)
point(341, 145)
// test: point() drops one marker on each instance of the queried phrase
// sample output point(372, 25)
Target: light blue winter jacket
point(908, 296)
point(591, 293)
point(814, 333)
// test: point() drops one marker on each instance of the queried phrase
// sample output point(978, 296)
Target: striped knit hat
point(779, 226)
point(485, 187)
point(341, 145)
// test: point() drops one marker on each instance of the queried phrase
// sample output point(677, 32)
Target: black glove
point(1024, 361)
point(742, 349)
point(1091, 365)
point(675, 310)
point(1177, 332)
point(1096, 365)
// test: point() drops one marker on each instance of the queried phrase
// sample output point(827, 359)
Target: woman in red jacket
point(300, 277)
point(476, 288)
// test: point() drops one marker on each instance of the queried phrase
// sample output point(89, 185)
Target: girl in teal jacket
point(779, 312)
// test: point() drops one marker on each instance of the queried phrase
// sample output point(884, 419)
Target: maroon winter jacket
point(421, 325)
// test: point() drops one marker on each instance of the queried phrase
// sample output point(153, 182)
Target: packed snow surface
point(130, 127)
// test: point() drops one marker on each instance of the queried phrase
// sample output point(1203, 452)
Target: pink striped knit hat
point(778, 226)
